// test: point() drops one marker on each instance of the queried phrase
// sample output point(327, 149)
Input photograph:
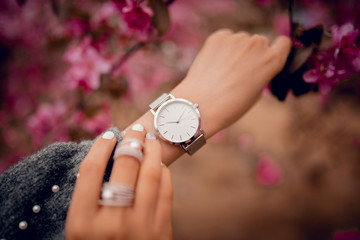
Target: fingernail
point(138, 127)
point(162, 164)
point(150, 135)
point(124, 132)
point(108, 135)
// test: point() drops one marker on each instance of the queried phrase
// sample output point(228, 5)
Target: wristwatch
point(178, 121)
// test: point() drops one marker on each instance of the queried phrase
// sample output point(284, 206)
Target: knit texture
point(30, 183)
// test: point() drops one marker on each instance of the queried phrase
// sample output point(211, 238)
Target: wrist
point(209, 123)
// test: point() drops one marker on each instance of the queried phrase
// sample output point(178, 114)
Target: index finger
point(88, 185)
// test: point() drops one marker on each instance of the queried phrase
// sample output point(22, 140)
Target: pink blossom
point(137, 18)
point(76, 27)
point(104, 14)
point(121, 4)
point(268, 171)
point(337, 63)
point(96, 124)
point(46, 120)
point(144, 71)
point(85, 66)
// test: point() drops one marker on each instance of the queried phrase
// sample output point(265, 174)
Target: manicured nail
point(108, 135)
point(162, 164)
point(150, 135)
point(138, 127)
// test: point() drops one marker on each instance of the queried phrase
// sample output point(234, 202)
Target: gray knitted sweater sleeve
point(45, 180)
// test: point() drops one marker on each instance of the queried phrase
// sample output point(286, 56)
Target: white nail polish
point(138, 127)
point(150, 135)
point(108, 135)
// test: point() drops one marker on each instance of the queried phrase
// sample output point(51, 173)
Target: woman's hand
point(226, 79)
point(148, 216)
point(229, 74)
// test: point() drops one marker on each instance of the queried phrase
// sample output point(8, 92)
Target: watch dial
point(177, 120)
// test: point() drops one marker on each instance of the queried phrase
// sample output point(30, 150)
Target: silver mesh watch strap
point(160, 100)
point(196, 144)
point(193, 145)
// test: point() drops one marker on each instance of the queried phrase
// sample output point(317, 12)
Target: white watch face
point(177, 120)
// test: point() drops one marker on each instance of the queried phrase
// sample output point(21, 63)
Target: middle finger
point(126, 167)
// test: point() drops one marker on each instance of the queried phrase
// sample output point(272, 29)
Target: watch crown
point(196, 105)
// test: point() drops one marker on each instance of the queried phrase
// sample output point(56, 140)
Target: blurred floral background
point(288, 169)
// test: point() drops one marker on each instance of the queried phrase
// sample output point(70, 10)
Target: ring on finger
point(130, 147)
point(117, 194)
point(132, 142)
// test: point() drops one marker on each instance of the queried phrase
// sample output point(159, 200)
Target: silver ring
point(133, 142)
point(129, 151)
point(117, 194)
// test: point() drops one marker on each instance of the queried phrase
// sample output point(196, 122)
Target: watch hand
point(178, 119)
point(185, 117)
point(180, 116)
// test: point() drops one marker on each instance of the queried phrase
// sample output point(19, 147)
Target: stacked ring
point(117, 194)
point(131, 147)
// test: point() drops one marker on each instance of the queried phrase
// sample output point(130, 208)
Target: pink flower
point(121, 4)
point(104, 14)
point(45, 121)
point(268, 172)
point(85, 68)
point(96, 124)
point(76, 27)
point(346, 30)
point(137, 18)
point(145, 72)
point(337, 63)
